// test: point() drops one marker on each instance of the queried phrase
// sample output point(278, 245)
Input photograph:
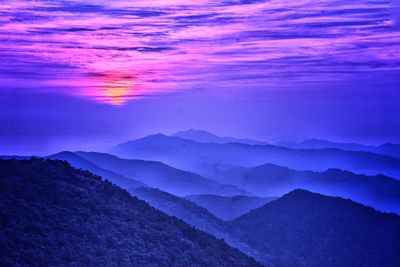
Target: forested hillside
point(309, 229)
point(55, 215)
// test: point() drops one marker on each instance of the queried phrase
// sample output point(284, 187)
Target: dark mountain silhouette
point(160, 175)
point(229, 207)
point(388, 149)
point(307, 229)
point(190, 155)
point(379, 191)
point(55, 215)
point(81, 163)
point(206, 137)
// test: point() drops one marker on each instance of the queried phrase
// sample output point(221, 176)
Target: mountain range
point(266, 180)
point(202, 136)
point(388, 149)
point(190, 155)
point(379, 191)
point(106, 225)
point(151, 173)
point(55, 215)
point(211, 201)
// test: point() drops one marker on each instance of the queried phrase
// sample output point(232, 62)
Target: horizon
point(103, 148)
point(87, 75)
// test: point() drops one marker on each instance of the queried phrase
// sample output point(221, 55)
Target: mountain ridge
point(56, 215)
point(188, 154)
point(81, 163)
point(207, 137)
point(309, 229)
point(379, 191)
point(389, 149)
point(159, 175)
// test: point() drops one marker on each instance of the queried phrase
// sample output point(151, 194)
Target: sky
point(91, 74)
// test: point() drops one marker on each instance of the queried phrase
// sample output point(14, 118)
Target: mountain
point(206, 137)
point(181, 208)
point(379, 191)
point(190, 155)
point(195, 215)
point(81, 163)
point(159, 175)
point(388, 149)
point(307, 229)
point(55, 215)
point(229, 207)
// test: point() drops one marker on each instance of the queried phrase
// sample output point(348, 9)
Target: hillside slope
point(308, 229)
point(55, 215)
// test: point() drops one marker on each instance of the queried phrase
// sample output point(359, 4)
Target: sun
point(116, 89)
point(117, 92)
point(112, 88)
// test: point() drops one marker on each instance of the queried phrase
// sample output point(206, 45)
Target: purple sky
point(84, 75)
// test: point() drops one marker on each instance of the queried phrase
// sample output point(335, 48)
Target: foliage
point(55, 215)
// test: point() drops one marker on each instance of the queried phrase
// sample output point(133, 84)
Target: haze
point(87, 75)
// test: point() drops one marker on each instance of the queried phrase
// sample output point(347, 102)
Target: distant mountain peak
point(299, 192)
point(203, 136)
point(153, 137)
point(193, 131)
point(157, 135)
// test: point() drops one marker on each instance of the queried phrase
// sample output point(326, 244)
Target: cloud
point(173, 46)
